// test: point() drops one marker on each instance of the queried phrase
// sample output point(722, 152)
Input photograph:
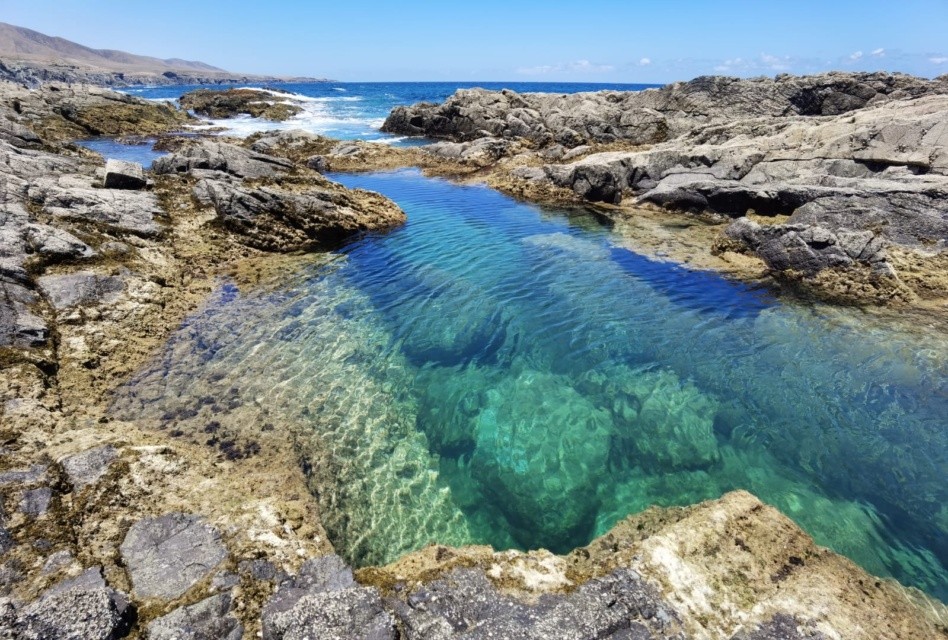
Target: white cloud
point(856, 55)
point(938, 60)
point(774, 63)
point(644, 62)
point(579, 66)
point(879, 53)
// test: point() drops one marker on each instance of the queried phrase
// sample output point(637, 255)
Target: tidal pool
point(498, 373)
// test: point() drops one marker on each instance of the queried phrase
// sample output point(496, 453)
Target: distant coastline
point(34, 74)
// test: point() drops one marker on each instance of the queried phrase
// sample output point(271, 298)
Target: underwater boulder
point(662, 423)
point(455, 328)
point(541, 450)
point(450, 405)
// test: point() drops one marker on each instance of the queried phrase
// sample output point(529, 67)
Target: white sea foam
point(317, 116)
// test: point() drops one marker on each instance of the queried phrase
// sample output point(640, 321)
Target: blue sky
point(592, 40)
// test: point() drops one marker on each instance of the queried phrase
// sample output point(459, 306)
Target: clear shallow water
point(497, 373)
point(356, 110)
point(142, 153)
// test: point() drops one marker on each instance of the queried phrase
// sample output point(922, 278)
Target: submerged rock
point(540, 450)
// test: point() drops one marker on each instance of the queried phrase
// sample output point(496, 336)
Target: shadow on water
point(495, 373)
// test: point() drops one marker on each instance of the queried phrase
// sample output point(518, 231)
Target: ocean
point(356, 110)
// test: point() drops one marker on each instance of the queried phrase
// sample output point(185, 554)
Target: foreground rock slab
point(168, 555)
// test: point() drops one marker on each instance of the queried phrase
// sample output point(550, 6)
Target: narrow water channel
point(498, 373)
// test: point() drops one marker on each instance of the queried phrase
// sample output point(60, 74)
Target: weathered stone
point(58, 561)
point(277, 219)
point(209, 619)
point(168, 555)
point(77, 608)
point(33, 475)
point(87, 467)
point(260, 569)
point(648, 117)
point(120, 174)
point(318, 163)
point(323, 601)
point(19, 326)
point(465, 604)
point(35, 502)
point(80, 289)
point(780, 627)
point(808, 249)
point(221, 156)
point(216, 103)
point(76, 200)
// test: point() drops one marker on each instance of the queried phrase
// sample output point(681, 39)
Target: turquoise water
point(498, 373)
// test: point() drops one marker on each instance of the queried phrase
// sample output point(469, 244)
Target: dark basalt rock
point(276, 219)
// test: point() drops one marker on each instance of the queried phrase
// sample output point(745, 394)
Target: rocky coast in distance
point(834, 185)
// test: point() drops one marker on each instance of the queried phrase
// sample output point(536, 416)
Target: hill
point(32, 58)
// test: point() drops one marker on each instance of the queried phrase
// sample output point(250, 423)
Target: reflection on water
point(498, 374)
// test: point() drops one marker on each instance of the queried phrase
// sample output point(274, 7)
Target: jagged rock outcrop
point(843, 155)
point(59, 112)
point(651, 116)
point(295, 212)
point(211, 155)
point(228, 103)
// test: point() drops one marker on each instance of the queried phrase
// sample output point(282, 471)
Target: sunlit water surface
point(497, 373)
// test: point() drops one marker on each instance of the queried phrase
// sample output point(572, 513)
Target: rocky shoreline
point(35, 74)
point(118, 528)
point(836, 182)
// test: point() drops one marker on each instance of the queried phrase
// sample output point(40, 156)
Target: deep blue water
point(494, 372)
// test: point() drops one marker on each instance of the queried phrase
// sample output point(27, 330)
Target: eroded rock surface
point(209, 619)
point(168, 555)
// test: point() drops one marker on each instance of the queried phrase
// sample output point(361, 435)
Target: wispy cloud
point(577, 67)
point(857, 55)
point(878, 53)
point(938, 59)
point(644, 62)
point(764, 62)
